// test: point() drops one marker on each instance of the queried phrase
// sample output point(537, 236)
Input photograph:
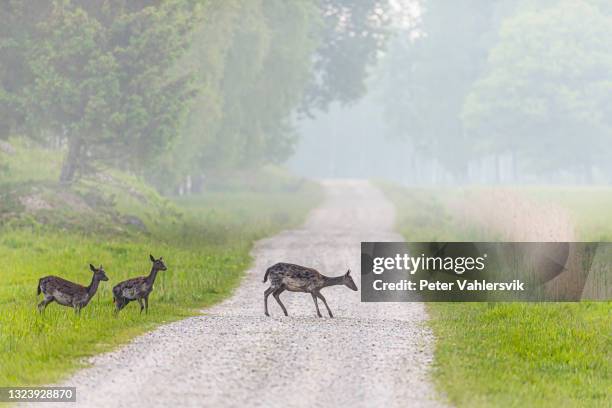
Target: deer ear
point(151, 258)
point(93, 268)
point(348, 272)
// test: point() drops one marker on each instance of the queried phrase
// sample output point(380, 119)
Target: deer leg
point(314, 299)
point(320, 296)
point(119, 304)
point(146, 302)
point(141, 305)
point(266, 294)
point(43, 305)
point(276, 295)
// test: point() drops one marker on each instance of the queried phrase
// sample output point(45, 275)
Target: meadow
point(46, 230)
point(515, 354)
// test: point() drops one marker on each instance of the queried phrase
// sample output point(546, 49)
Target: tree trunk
point(71, 161)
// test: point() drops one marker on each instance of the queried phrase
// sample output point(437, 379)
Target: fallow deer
point(137, 288)
point(296, 278)
point(68, 293)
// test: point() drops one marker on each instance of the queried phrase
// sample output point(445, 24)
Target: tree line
point(523, 81)
point(178, 88)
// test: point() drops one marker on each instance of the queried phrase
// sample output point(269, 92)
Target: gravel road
point(368, 355)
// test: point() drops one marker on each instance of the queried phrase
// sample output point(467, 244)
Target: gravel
point(368, 355)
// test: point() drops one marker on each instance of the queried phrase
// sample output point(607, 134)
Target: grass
point(28, 162)
point(515, 354)
point(205, 241)
point(589, 207)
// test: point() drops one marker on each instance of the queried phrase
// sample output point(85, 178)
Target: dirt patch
point(34, 203)
point(73, 201)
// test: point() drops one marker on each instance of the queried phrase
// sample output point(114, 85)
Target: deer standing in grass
point(137, 288)
point(296, 278)
point(68, 293)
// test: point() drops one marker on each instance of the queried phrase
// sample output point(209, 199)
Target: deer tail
point(266, 275)
point(38, 288)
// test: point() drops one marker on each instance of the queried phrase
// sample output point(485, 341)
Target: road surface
point(368, 355)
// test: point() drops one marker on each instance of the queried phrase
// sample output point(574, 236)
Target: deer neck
point(93, 287)
point(333, 281)
point(152, 275)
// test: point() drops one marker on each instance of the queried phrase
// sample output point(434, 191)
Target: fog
point(476, 92)
point(186, 94)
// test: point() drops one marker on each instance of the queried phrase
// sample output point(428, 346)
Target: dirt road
point(369, 355)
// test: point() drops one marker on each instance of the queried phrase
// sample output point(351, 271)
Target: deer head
point(158, 263)
point(348, 281)
point(99, 273)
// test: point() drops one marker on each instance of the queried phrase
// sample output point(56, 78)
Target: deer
point(68, 293)
point(296, 278)
point(137, 288)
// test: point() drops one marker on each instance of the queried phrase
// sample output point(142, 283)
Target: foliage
point(546, 94)
point(18, 22)
point(520, 80)
point(103, 80)
point(266, 65)
point(181, 88)
point(353, 34)
point(430, 70)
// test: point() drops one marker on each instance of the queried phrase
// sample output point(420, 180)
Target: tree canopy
point(547, 93)
point(524, 79)
point(171, 88)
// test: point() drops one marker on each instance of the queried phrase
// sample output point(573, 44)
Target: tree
point(206, 58)
point(176, 87)
point(352, 35)
point(252, 61)
point(279, 85)
point(18, 26)
point(103, 79)
point(547, 92)
point(430, 70)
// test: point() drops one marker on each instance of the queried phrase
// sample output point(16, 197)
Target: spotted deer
point(296, 278)
point(137, 288)
point(68, 293)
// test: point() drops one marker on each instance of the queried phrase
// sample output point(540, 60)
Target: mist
point(189, 94)
point(477, 93)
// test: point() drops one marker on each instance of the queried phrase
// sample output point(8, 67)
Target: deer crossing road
point(368, 355)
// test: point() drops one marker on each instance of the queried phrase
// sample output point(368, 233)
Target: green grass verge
point(515, 354)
